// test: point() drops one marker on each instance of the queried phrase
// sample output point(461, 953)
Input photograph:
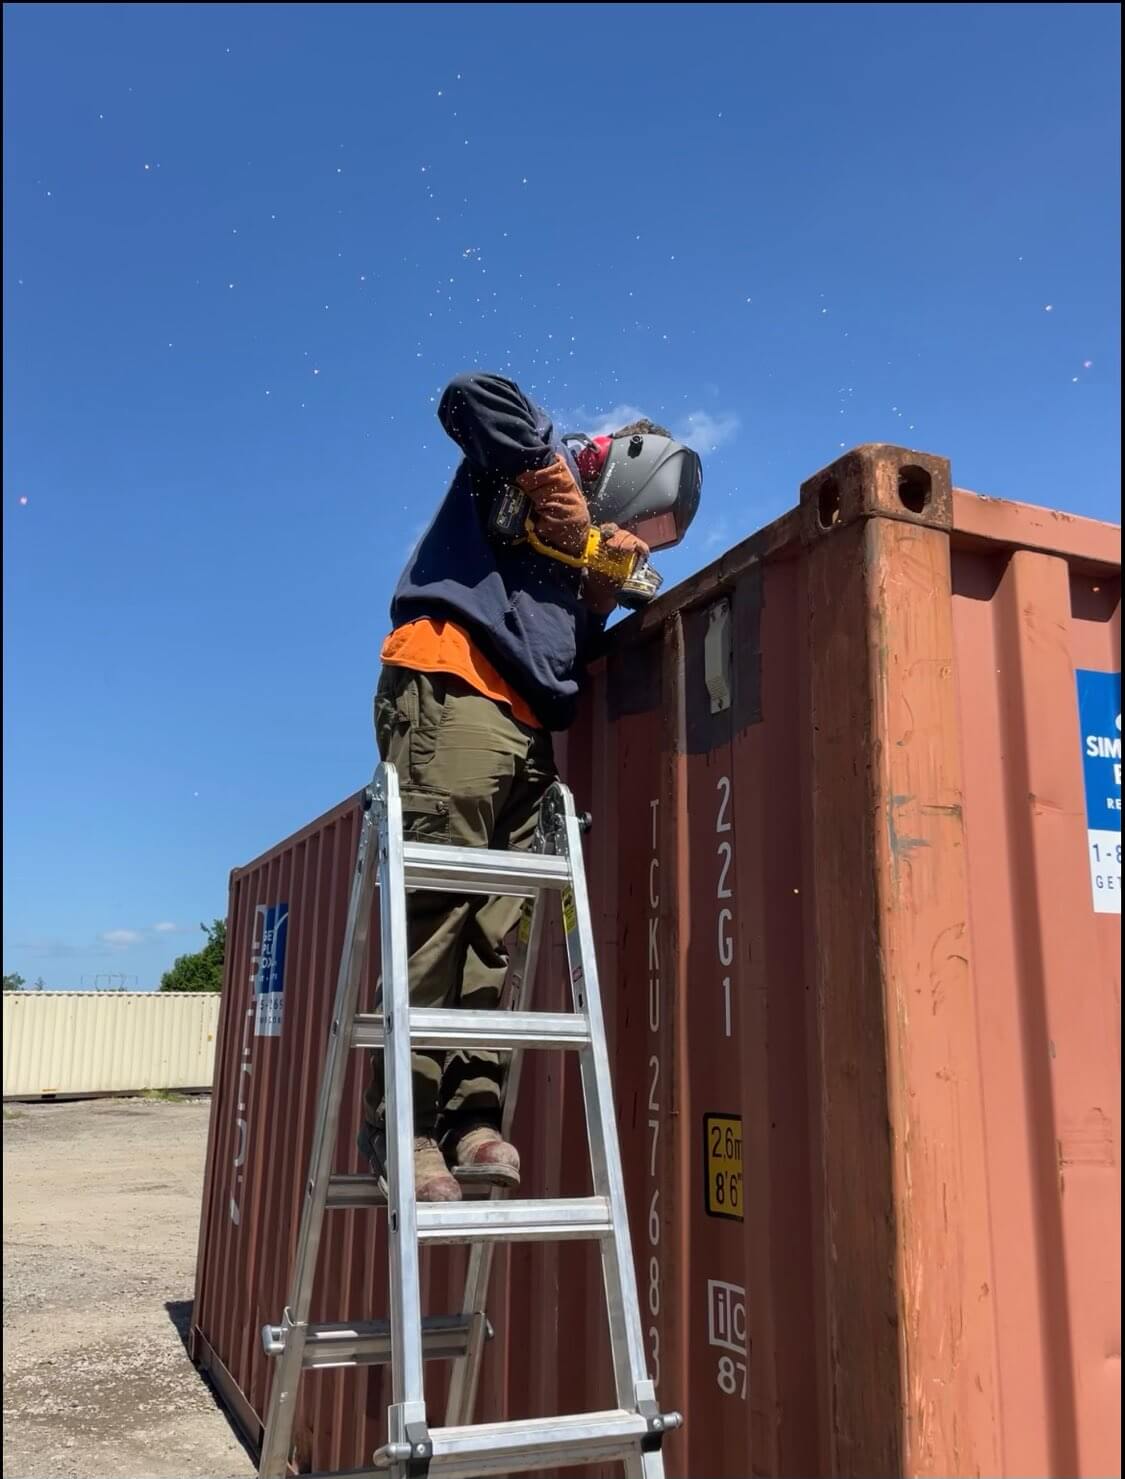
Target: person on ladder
point(484, 661)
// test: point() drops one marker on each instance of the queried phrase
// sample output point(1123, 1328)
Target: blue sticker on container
point(269, 968)
point(1099, 717)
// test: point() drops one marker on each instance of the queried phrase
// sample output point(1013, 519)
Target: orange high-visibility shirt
point(441, 647)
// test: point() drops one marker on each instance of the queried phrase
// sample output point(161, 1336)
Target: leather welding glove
point(561, 517)
point(600, 591)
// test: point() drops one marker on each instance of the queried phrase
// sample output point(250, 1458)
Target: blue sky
point(246, 246)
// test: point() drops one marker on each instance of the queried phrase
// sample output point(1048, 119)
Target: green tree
point(14, 982)
point(202, 971)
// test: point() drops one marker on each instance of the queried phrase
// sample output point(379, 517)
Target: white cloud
point(164, 928)
point(54, 949)
point(717, 534)
point(608, 422)
point(121, 939)
point(705, 432)
point(415, 539)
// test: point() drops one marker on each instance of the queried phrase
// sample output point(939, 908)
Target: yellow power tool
point(634, 576)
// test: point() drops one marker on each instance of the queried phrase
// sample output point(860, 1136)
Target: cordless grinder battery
point(511, 509)
point(510, 522)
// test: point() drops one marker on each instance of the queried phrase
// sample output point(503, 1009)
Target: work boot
point(478, 1154)
point(432, 1181)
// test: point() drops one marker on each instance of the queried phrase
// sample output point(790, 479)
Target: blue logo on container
point(269, 968)
point(1099, 715)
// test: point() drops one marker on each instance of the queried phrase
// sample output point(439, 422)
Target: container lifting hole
point(717, 656)
point(828, 503)
point(915, 487)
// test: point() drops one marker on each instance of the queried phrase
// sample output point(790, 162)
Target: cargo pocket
point(392, 715)
point(424, 704)
point(425, 816)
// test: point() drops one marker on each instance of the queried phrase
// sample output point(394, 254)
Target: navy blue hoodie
point(522, 610)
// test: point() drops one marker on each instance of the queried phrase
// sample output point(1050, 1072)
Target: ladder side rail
point(406, 1419)
point(635, 1392)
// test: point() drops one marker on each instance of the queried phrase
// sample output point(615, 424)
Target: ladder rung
point(541, 1221)
point(439, 1028)
point(368, 1342)
point(353, 1191)
point(482, 870)
point(545, 1443)
point(345, 1193)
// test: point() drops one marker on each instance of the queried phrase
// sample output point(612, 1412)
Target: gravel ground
point(101, 1212)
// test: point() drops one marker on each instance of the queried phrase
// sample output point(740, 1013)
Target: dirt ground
point(101, 1212)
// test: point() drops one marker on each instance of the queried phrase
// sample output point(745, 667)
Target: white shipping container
point(93, 1042)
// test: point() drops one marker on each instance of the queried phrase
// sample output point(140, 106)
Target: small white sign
point(726, 1316)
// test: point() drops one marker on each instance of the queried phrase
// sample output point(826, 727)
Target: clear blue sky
point(246, 246)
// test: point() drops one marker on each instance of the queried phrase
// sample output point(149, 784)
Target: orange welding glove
point(561, 517)
point(600, 591)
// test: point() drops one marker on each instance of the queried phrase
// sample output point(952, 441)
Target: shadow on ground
point(179, 1312)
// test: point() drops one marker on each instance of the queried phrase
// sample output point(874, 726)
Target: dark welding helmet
point(649, 485)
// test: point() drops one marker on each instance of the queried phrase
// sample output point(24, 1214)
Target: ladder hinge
point(653, 1440)
point(421, 1451)
point(658, 1425)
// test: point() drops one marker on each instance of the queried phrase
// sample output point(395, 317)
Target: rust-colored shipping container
point(856, 876)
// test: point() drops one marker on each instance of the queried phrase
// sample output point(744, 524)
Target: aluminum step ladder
point(631, 1433)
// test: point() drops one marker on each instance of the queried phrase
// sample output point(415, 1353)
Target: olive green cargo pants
point(470, 775)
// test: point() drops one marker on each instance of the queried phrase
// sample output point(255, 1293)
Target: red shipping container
point(859, 941)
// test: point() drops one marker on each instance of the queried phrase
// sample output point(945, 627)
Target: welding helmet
point(648, 484)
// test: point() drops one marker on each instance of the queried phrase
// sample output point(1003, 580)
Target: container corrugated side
point(60, 1043)
point(863, 1018)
